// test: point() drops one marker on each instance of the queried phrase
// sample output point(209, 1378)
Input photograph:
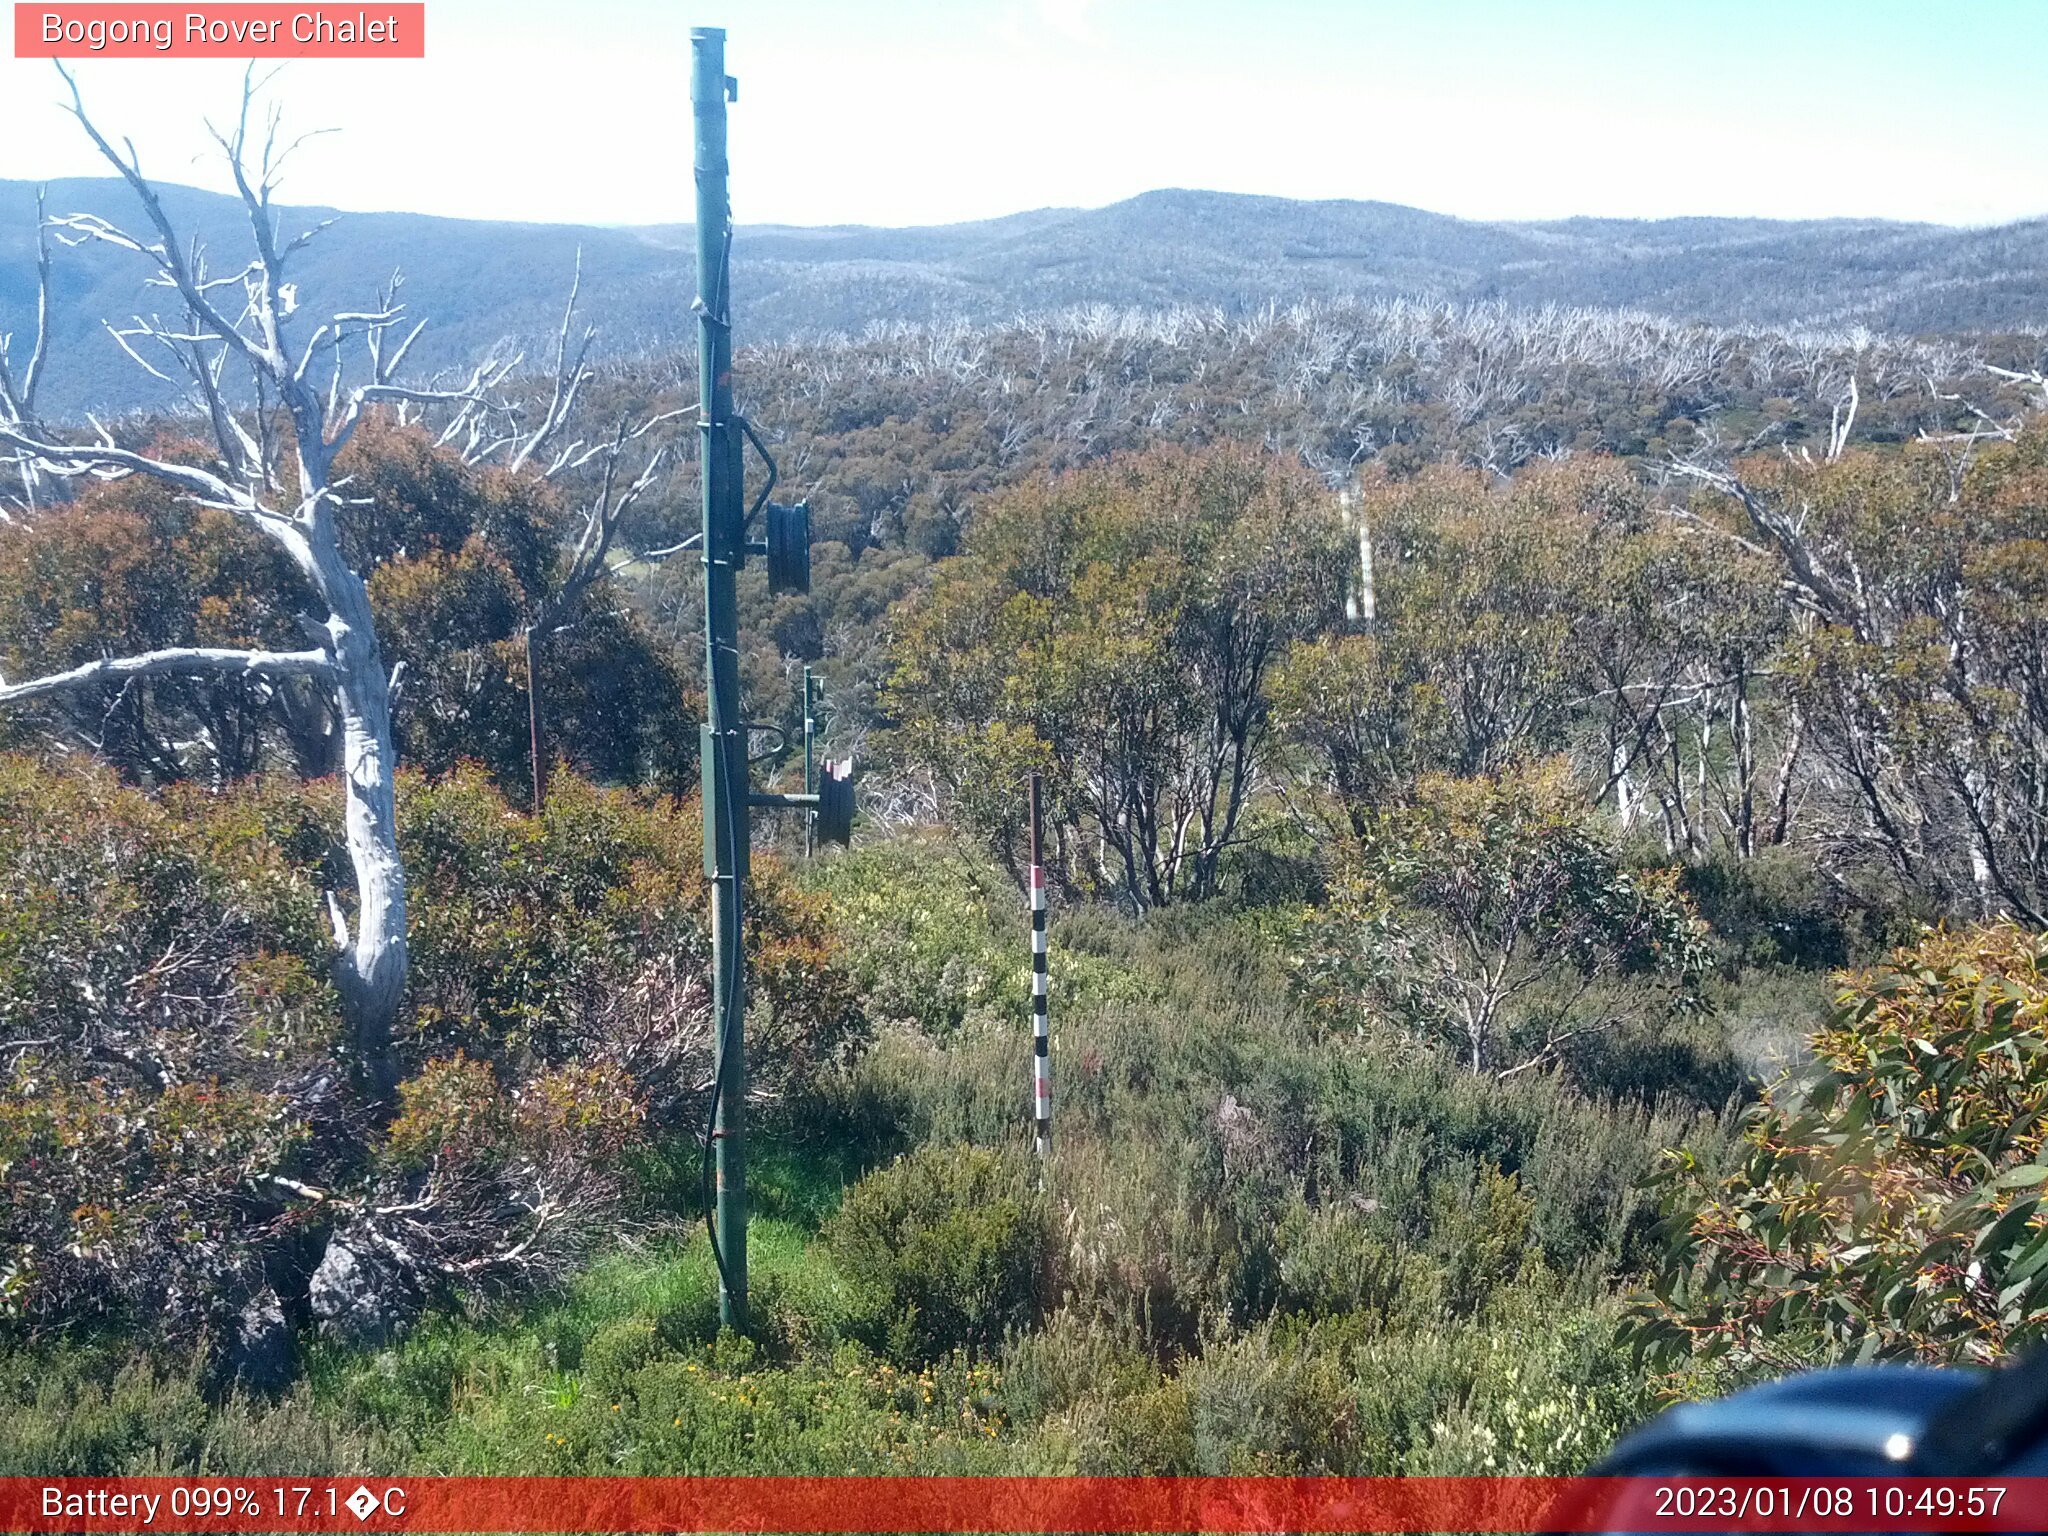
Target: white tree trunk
point(371, 971)
point(1361, 602)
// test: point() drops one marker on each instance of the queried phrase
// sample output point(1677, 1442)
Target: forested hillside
point(900, 436)
point(485, 282)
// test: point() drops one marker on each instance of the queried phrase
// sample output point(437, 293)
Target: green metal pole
point(724, 745)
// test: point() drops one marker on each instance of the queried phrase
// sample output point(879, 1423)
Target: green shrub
point(1694, 1057)
point(1768, 1016)
point(1889, 1204)
point(619, 1350)
point(1261, 1407)
point(101, 1412)
point(940, 940)
point(1482, 1227)
point(1332, 1260)
point(178, 1075)
point(1497, 919)
point(908, 1090)
point(1776, 908)
point(951, 1244)
point(1074, 1357)
point(1529, 1387)
point(927, 953)
point(1149, 1246)
point(582, 934)
point(718, 1412)
point(1151, 1433)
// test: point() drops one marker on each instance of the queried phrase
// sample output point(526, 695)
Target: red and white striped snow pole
point(1041, 1035)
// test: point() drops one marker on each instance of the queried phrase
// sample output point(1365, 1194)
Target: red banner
point(211, 31)
point(1024, 1504)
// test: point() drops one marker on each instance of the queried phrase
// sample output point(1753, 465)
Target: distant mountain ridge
point(479, 282)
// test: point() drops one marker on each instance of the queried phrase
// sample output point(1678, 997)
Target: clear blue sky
point(924, 111)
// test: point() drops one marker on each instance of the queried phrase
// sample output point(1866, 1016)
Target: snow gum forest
point(1545, 815)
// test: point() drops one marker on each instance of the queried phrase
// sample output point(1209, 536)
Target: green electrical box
point(715, 805)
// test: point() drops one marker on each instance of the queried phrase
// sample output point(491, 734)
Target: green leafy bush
point(952, 1246)
point(940, 940)
point(1889, 1204)
point(1495, 917)
point(928, 954)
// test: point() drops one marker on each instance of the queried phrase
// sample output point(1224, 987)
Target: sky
point(931, 111)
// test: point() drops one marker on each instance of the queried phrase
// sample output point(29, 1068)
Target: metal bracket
point(831, 807)
point(780, 734)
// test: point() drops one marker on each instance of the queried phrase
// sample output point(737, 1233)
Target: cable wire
point(734, 959)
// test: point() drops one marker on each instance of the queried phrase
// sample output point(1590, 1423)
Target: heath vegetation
point(1548, 827)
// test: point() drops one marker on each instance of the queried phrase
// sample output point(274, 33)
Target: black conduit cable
point(734, 961)
point(721, 316)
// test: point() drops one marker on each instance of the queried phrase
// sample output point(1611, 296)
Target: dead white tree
point(1842, 419)
point(18, 389)
point(615, 469)
point(281, 483)
point(612, 472)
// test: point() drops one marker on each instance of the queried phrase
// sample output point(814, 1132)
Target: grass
point(475, 1395)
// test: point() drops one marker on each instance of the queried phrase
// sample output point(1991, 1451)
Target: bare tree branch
point(569, 377)
point(191, 659)
point(1778, 530)
point(18, 396)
